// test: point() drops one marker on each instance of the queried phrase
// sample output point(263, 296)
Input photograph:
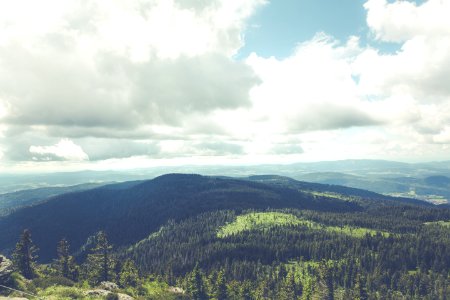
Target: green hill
point(130, 211)
point(261, 237)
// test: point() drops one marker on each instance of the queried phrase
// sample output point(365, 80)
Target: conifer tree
point(100, 261)
point(65, 263)
point(195, 285)
point(262, 290)
point(220, 287)
point(129, 275)
point(246, 291)
point(360, 288)
point(308, 289)
point(325, 287)
point(24, 257)
point(289, 288)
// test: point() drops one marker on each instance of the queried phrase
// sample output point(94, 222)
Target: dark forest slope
point(128, 212)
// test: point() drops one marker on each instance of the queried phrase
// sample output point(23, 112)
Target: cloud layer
point(100, 80)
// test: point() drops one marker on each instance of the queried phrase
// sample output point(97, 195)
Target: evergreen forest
point(196, 237)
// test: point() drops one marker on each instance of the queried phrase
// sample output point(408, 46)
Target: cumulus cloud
point(443, 137)
point(65, 149)
point(286, 149)
point(330, 116)
point(423, 63)
point(313, 89)
point(121, 94)
point(412, 81)
point(88, 80)
point(118, 70)
point(219, 148)
point(400, 21)
point(101, 149)
point(333, 85)
point(121, 63)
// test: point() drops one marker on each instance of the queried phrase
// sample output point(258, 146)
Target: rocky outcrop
point(103, 293)
point(124, 297)
point(6, 268)
point(97, 293)
point(108, 285)
point(176, 290)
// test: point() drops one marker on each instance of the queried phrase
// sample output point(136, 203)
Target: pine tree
point(360, 288)
point(246, 291)
point(288, 288)
point(262, 290)
point(220, 288)
point(308, 289)
point(195, 285)
point(100, 261)
point(129, 274)
point(65, 263)
point(24, 257)
point(326, 288)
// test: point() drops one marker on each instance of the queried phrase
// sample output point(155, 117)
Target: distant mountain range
point(130, 211)
point(11, 201)
point(426, 181)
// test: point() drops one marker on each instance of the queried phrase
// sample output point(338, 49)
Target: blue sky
point(278, 27)
point(138, 83)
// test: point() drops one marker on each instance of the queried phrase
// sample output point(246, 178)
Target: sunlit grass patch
point(266, 220)
point(260, 221)
point(440, 223)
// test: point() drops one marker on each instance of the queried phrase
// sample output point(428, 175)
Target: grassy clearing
point(261, 221)
point(440, 223)
point(266, 220)
point(64, 293)
point(150, 289)
point(330, 195)
point(358, 232)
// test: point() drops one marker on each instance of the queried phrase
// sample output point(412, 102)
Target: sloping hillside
point(130, 211)
point(15, 200)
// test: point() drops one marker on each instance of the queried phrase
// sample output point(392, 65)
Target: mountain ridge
point(130, 211)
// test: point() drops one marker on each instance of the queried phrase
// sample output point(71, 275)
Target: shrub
point(46, 282)
point(62, 292)
point(112, 296)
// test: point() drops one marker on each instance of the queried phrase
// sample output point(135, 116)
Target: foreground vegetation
point(100, 276)
point(285, 254)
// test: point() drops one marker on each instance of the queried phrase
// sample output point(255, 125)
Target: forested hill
point(364, 197)
point(129, 212)
point(14, 200)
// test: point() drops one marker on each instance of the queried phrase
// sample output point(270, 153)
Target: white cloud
point(410, 86)
point(400, 21)
point(313, 89)
point(118, 69)
point(443, 137)
point(65, 149)
point(328, 85)
point(137, 28)
point(131, 80)
point(3, 109)
point(122, 63)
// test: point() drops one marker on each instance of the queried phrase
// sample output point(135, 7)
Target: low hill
point(440, 181)
point(247, 242)
point(130, 211)
point(14, 200)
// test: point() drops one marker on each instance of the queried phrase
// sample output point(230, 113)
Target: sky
point(117, 84)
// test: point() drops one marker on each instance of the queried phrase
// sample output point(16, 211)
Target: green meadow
point(266, 220)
